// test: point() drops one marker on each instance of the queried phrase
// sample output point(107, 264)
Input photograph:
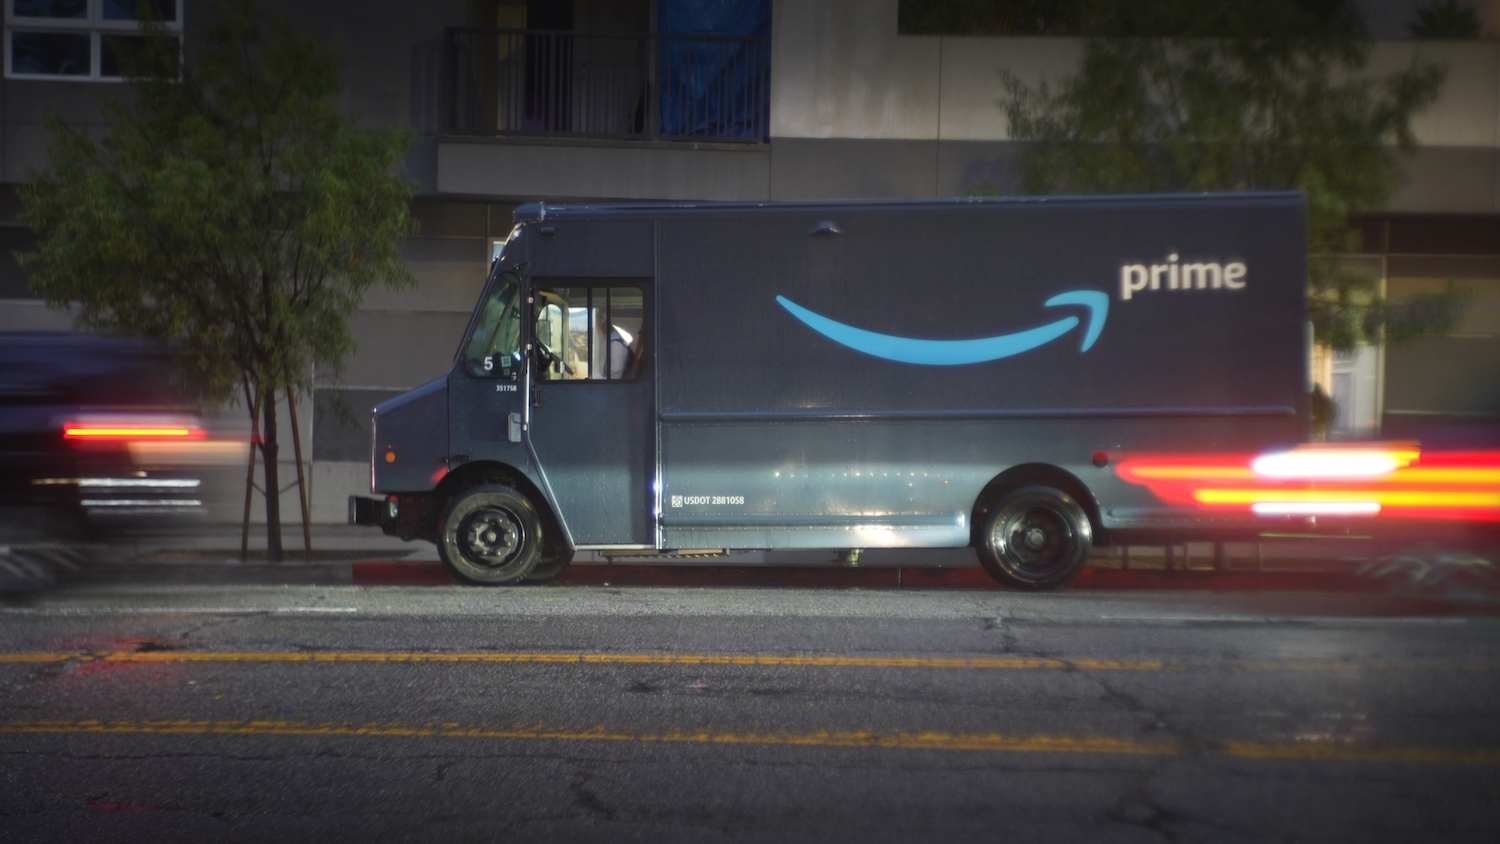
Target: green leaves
point(1228, 96)
point(231, 208)
point(1444, 19)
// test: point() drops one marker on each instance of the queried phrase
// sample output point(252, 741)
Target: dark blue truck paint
point(864, 374)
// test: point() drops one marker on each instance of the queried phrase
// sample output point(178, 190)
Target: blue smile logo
point(955, 352)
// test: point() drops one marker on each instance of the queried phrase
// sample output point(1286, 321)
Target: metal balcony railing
point(655, 87)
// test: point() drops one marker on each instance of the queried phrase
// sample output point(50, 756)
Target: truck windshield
point(492, 348)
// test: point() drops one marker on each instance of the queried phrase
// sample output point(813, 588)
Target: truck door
point(486, 385)
point(593, 406)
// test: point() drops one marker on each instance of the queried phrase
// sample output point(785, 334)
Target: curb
point(371, 573)
point(236, 573)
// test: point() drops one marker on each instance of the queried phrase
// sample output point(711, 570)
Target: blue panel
point(708, 87)
point(898, 311)
point(715, 17)
point(894, 483)
point(413, 429)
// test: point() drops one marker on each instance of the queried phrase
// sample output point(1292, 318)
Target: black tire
point(1036, 537)
point(552, 564)
point(490, 535)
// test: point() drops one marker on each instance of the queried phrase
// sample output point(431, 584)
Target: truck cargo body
point(859, 374)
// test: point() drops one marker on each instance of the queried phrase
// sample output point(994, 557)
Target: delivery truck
point(651, 378)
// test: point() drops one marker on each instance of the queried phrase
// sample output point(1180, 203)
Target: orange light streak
point(71, 431)
point(1444, 498)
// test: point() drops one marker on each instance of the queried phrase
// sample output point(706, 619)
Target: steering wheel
point(552, 357)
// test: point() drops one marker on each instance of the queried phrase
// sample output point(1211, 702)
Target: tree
point(1215, 95)
point(1444, 19)
point(231, 208)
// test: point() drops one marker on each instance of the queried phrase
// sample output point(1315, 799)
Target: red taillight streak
point(1431, 487)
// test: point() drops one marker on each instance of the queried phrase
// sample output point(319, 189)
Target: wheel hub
point(491, 536)
point(1035, 538)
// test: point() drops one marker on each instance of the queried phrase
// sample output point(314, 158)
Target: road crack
point(586, 799)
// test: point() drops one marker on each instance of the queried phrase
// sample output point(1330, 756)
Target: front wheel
point(490, 535)
point(1035, 538)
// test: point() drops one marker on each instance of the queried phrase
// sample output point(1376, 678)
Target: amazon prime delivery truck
point(653, 378)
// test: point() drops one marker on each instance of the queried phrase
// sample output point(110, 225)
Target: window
point(492, 349)
point(582, 333)
point(78, 39)
point(590, 333)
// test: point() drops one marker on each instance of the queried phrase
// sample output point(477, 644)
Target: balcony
point(524, 82)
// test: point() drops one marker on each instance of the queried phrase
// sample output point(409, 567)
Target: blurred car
point(97, 434)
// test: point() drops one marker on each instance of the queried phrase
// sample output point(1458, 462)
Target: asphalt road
point(699, 714)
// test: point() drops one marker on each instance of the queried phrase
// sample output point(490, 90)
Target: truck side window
point(491, 349)
point(591, 333)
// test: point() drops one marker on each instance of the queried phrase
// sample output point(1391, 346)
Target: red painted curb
point(1228, 581)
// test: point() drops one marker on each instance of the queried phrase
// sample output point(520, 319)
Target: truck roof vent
point(826, 227)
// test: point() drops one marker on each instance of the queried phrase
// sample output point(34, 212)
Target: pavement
point(191, 712)
point(210, 554)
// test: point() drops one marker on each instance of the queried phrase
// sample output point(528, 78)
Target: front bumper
point(371, 512)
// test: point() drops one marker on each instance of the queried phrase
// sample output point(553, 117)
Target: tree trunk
point(291, 406)
point(249, 474)
point(273, 484)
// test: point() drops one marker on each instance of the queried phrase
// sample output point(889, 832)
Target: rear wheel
point(1035, 538)
point(490, 535)
point(552, 563)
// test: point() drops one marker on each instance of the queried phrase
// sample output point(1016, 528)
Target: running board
point(678, 553)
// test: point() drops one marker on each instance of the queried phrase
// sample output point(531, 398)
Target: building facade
point(520, 100)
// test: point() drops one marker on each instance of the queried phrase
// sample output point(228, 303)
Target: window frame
point(643, 335)
point(93, 24)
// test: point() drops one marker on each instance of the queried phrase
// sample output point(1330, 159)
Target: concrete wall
point(392, 53)
point(838, 70)
point(858, 110)
point(1457, 374)
point(392, 60)
point(1458, 167)
point(549, 169)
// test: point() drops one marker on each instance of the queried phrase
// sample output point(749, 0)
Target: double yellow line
point(925, 740)
point(523, 658)
point(766, 660)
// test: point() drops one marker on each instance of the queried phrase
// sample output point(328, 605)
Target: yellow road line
point(596, 659)
point(771, 660)
point(925, 740)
